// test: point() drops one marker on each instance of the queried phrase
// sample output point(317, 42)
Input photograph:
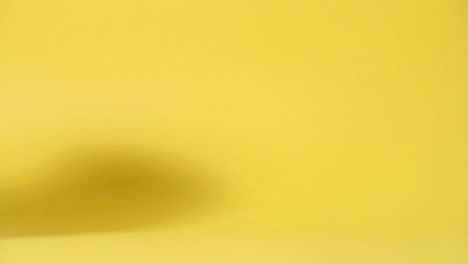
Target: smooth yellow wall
point(343, 118)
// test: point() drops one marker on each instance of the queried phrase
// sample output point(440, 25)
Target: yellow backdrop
point(330, 119)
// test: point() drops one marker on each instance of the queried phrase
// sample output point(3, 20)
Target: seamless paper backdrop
point(336, 119)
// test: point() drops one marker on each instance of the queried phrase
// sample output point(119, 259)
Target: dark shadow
point(103, 189)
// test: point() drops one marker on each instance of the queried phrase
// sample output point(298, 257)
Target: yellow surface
point(331, 119)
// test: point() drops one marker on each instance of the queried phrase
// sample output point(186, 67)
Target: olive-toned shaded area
point(101, 189)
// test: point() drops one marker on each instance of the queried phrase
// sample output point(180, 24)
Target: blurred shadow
point(102, 189)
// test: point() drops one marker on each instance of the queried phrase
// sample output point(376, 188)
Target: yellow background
point(337, 119)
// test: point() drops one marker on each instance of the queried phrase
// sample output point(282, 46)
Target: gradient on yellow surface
point(345, 118)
